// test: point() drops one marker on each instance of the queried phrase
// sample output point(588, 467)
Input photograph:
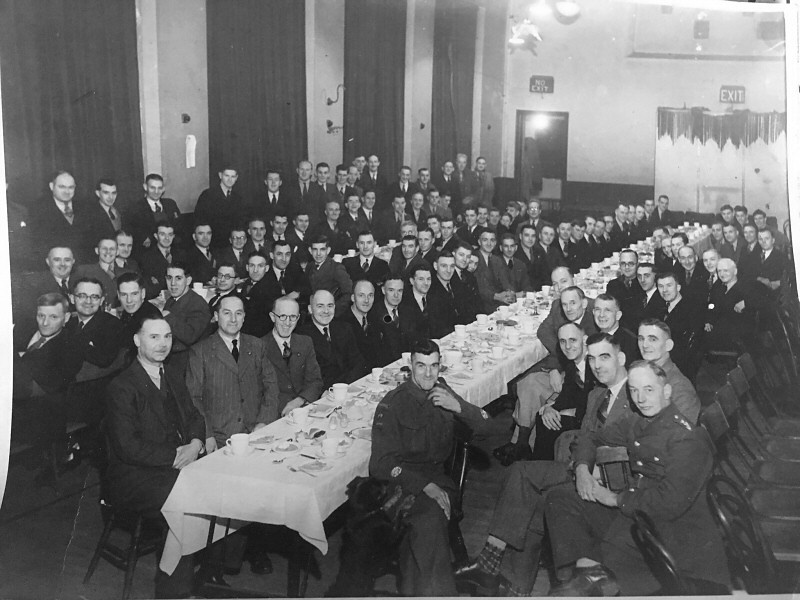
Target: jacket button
point(638, 462)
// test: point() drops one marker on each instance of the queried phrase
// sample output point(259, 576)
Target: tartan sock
point(489, 558)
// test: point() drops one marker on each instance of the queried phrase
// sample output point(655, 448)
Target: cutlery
point(296, 470)
point(276, 461)
point(308, 456)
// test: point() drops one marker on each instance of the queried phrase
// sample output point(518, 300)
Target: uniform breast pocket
point(414, 437)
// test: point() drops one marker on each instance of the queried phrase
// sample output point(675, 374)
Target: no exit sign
point(731, 94)
point(542, 84)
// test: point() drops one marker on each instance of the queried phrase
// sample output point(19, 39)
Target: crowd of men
point(293, 298)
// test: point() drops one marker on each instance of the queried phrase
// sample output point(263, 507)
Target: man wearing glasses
point(293, 358)
point(234, 253)
point(226, 284)
point(626, 286)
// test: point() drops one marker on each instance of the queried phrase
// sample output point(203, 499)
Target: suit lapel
point(245, 355)
point(153, 397)
point(224, 356)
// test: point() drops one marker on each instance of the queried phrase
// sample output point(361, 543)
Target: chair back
point(614, 466)
point(738, 381)
point(729, 401)
point(656, 555)
point(748, 553)
point(713, 420)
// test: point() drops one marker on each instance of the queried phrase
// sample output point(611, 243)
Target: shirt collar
point(279, 340)
point(152, 371)
point(228, 339)
point(615, 389)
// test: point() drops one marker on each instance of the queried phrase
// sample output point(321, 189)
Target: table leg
point(299, 565)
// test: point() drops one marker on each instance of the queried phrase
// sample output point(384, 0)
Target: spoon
point(296, 470)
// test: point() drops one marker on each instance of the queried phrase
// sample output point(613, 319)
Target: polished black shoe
point(472, 574)
point(261, 565)
point(501, 451)
point(517, 452)
point(211, 578)
point(596, 580)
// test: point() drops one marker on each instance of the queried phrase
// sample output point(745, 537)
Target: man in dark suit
point(352, 221)
point(470, 232)
point(545, 257)
point(733, 246)
point(338, 240)
point(373, 180)
point(124, 262)
point(335, 346)
point(234, 252)
point(465, 286)
point(710, 259)
point(368, 214)
point(686, 325)
point(326, 274)
point(225, 286)
point(202, 262)
point(509, 272)
point(305, 195)
point(221, 207)
point(580, 247)
point(389, 315)
point(43, 369)
point(366, 265)
point(446, 310)
point(105, 219)
point(427, 252)
point(256, 296)
point(423, 183)
point(408, 257)
point(491, 294)
point(297, 236)
point(773, 262)
point(187, 313)
point(693, 280)
point(284, 277)
point(153, 431)
point(620, 231)
point(367, 333)
point(341, 191)
point(146, 214)
point(402, 187)
point(419, 307)
point(517, 527)
point(563, 242)
point(61, 220)
point(258, 242)
point(607, 315)
point(104, 270)
point(750, 260)
point(274, 200)
point(449, 240)
point(446, 183)
point(390, 222)
point(293, 358)
point(157, 259)
point(731, 323)
point(527, 240)
point(534, 216)
point(626, 285)
point(661, 217)
point(648, 305)
point(415, 211)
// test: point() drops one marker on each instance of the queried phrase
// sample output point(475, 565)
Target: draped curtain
point(70, 95)
point(739, 127)
point(256, 89)
point(374, 77)
point(453, 77)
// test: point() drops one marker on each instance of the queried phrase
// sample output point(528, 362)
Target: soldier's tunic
point(671, 460)
point(411, 439)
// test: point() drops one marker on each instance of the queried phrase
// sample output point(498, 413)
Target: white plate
point(315, 467)
point(290, 447)
point(228, 452)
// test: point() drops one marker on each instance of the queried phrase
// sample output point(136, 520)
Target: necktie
point(628, 283)
point(394, 315)
point(227, 193)
point(369, 216)
point(424, 304)
point(287, 351)
point(68, 213)
point(81, 325)
point(326, 334)
point(168, 256)
point(364, 324)
point(365, 266)
point(272, 199)
point(282, 282)
point(158, 207)
point(449, 289)
point(112, 213)
point(235, 350)
point(602, 410)
point(37, 344)
point(64, 287)
point(161, 382)
point(763, 257)
point(510, 264)
point(305, 190)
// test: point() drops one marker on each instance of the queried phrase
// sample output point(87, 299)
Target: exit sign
point(542, 84)
point(731, 94)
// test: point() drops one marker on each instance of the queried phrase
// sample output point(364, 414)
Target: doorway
point(541, 156)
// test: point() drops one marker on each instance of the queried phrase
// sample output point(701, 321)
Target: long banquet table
point(255, 488)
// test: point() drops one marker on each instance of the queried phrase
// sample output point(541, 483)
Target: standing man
point(373, 180)
point(326, 274)
point(234, 252)
point(187, 313)
point(221, 207)
point(305, 195)
point(105, 218)
point(293, 358)
point(299, 239)
point(367, 333)
point(733, 246)
point(157, 259)
point(334, 344)
point(152, 211)
point(132, 294)
point(60, 219)
point(274, 200)
point(412, 436)
point(481, 186)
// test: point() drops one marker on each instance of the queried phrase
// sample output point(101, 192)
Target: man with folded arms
point(590, 525)
point(412, 436)
point(153, 432)
point(517, 526)
point(293, 358)
point(232, 384)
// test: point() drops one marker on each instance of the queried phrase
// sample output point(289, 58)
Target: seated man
point(517, 526)
point(564, 409)
point(546, 256)
point(465, 286)
point(234, 252)
point(131, 292)
point(535, 388)
point(292, 357)
point(412, 436)
point(442, 295)
point(326, 274)
point(607, 314)
point(201, 260)
point(655, 345)
point(731, 321)
point(408, 258)
point(186, 312)
point(153, 431)
point(390, 316)
point(285, 277)
point(773, 261)
point(366, 265)
point(693, 279)
point(104, 270)
point(590, 524)
point(124, 262)
point(226, 285)
point(334, 344)
point(367, 333)
point(685, 323)
point(56, 280)
point(509, 271)
point(491, 293)
point(626, 286)
point(650, 305)
point(256, 295)
point(157, 258)
point(419, 307)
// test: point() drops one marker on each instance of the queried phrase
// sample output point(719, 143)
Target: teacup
point(530, 295)
point(546, 290)
point(351, 252)
point(299, 416)
point(502, 311)
point(330, 446)
point(198, 287)
point(461, 331)
point(482, 319)
point(339, 391)
point(338, 258)
point(376, 374)
point(498, 352)
point(406, 358)
point(238, 443)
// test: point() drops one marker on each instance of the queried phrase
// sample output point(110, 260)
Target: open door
point(541, 156)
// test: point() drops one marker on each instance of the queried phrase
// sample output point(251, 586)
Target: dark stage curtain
point(70, 95)
point(374, 76)
point(739, 127)
point(256, 89)
point(453, 76)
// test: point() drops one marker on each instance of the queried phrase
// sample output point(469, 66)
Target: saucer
point(228, 452)
point(315, 467)
point(322, 456)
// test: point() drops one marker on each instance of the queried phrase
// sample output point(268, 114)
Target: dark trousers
point(518, 516)
point(425, 567)
point(545, 441)
point(583, 529)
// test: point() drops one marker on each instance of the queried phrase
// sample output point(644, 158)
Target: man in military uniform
point(412, 436)
point(671, 460)
point(517, 526)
